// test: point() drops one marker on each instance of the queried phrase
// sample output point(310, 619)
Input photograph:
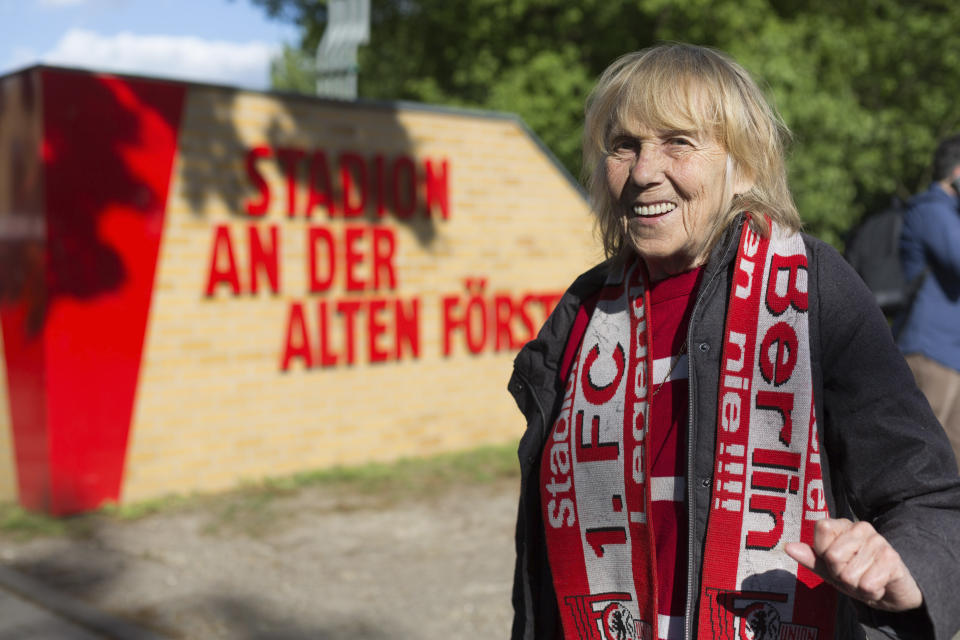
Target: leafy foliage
point(292, 70)
point(867, 86)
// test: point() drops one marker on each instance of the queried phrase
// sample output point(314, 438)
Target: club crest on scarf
point(746, 615)
point(605, 616)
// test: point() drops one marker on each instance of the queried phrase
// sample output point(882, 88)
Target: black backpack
point(873, 250)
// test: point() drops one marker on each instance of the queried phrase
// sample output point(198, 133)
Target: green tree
point(293, 70)
point(867, 86)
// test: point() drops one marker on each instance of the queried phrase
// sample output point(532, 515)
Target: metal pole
point(348, 26)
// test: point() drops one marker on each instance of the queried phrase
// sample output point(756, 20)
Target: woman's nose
point(648, 165)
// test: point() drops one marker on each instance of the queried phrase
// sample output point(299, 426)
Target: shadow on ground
point(244, 619)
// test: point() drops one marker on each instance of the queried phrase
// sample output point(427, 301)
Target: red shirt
point(671, 302)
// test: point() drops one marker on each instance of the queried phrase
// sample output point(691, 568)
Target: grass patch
point(20, 523)
point(255, 510)
point(144, 508)
point(414, 476)
point(251, 507)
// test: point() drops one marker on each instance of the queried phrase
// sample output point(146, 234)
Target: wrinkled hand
point(859, 562)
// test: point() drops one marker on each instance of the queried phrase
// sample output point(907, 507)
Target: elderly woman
point(722, 439)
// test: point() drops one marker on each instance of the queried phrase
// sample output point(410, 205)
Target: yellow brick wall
point(8, 487)
point(213, 407)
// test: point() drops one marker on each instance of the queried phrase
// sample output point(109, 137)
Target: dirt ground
point(313, 563)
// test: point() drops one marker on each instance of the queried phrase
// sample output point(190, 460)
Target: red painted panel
point(26, 382)
point(109, 146)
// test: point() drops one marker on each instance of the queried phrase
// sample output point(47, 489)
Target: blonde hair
point(684, 87)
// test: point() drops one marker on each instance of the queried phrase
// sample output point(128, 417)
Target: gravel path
point(313, 563)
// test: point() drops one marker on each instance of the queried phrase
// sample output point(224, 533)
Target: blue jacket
point(931, 237)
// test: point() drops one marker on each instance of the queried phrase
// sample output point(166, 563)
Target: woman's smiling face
point(668, 187)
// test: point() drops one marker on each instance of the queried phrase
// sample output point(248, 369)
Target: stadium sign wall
point(200, 285)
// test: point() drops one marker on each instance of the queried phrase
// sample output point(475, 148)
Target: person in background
point(722, 438)
point(930, 244)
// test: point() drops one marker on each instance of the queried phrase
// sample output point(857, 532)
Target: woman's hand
point(859, 562)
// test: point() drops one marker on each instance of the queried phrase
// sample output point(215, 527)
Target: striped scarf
point(767, 484)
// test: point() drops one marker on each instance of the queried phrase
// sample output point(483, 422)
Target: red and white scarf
point(767, 483)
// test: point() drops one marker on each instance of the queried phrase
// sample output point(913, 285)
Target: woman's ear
point(741, 180)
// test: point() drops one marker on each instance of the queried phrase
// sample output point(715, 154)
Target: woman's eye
point(681, 142)
point(625, 147)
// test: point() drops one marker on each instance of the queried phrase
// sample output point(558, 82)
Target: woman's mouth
point(653, 210)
